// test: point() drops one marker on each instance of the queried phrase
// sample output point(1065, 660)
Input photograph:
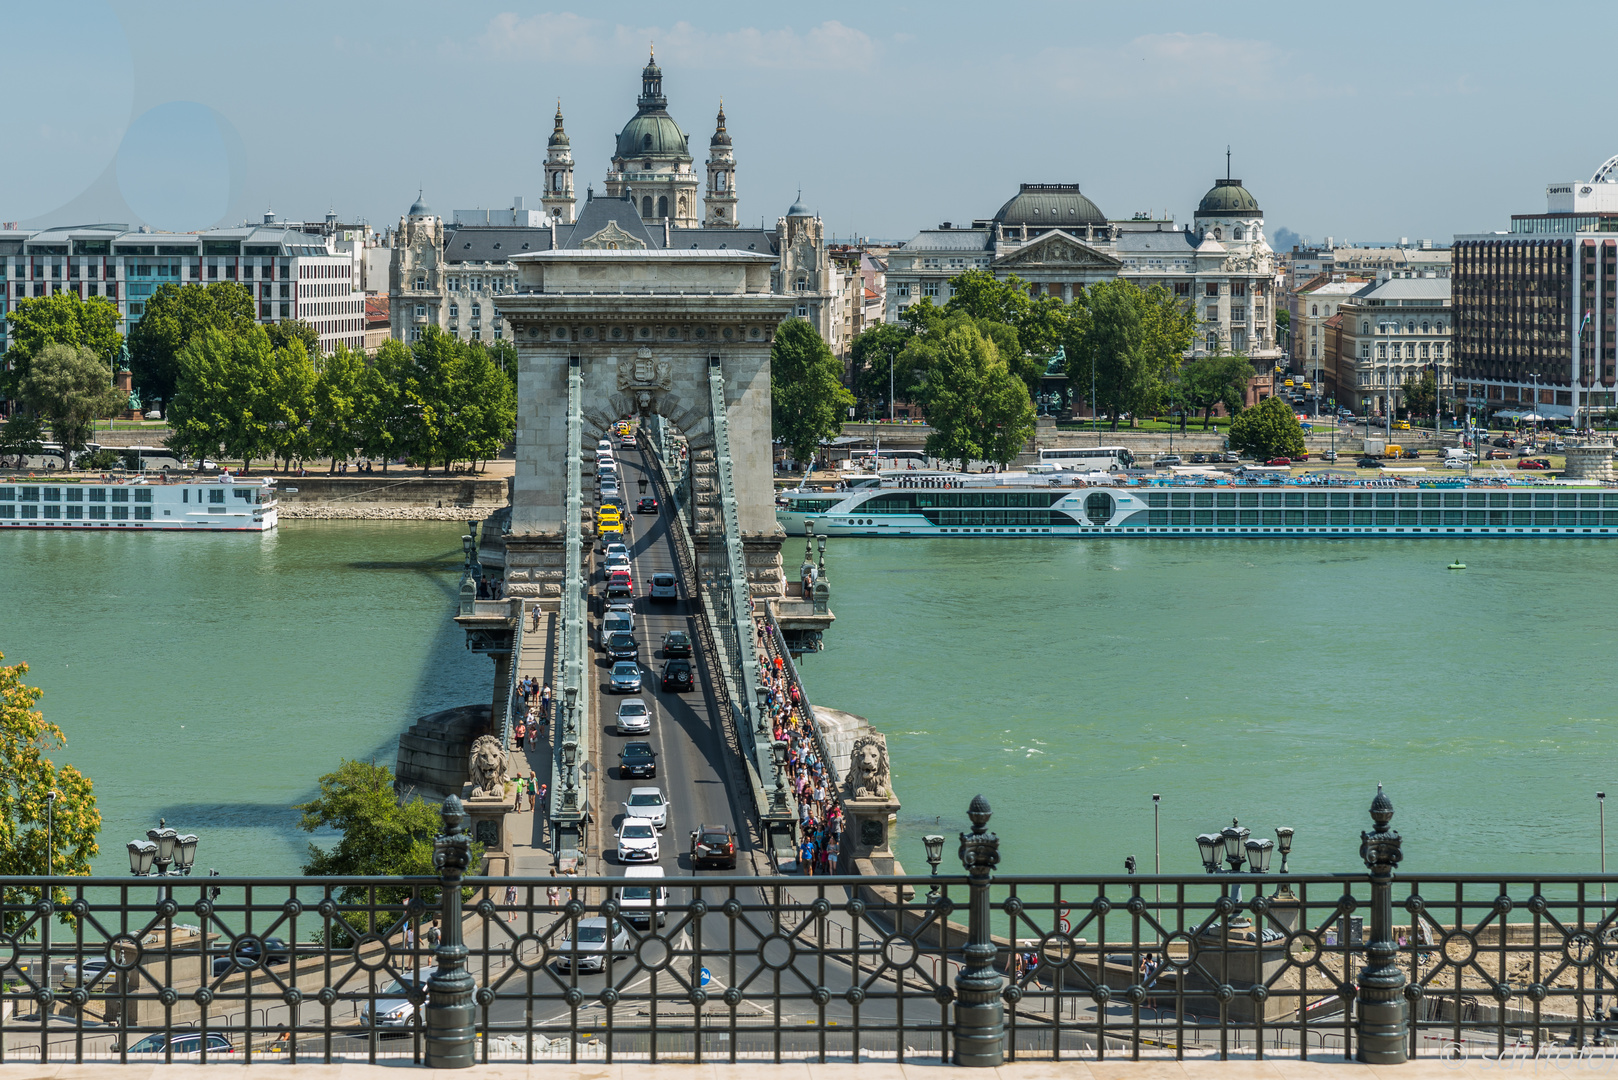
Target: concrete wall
point(377, 489)
point(434, 753)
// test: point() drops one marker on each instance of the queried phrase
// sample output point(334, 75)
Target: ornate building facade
point(652, 160)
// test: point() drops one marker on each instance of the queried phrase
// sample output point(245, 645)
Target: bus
point(1088, 458)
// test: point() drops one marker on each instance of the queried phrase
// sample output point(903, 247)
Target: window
point(1365, 326)
point(454, 312)
point(477, 311)
point(1182, 288)
point(421, 310)
point(803, 311)
point(1314, 311)
point(1236, 235)
point(903, 290)
point(646, 201)
point(1238, 288)
point(662, 206)
point(1314, 351)
point(1213, 342)
point(1365, 351)
point(929, 288)
point(1211, 289)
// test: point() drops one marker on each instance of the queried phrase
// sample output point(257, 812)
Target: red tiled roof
point(376, 311)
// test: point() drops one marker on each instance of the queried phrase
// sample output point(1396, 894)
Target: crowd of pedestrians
point(820, 814)
point(536, 703)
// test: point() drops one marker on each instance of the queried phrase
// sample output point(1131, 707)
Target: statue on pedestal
point(488, 768)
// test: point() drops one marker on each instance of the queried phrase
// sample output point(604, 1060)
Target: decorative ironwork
point(1382, 1021)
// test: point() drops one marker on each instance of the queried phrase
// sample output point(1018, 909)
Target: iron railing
point(974, 968)
point(573, 729)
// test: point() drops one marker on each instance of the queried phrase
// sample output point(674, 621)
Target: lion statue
point(488, 768)
point(868, 766)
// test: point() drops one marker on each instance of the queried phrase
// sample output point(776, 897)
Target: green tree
point(224, 401)
point(288, 402)
point(1269, 429)
point(808, 401)
point(380, 836)
point(60, 319)
point(1040, 323)
point(20, 436)
point(490, 404)
point(174, 316)
point(27, 777)
point(874, 350)
point(1135, 339)
point(342, 399)
point(976, 406)
point(1420, 395)
point(1211, 381)
point(386, 426)
point(284, 333)
point(71, 387)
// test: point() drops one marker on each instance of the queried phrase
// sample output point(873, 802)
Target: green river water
point(211, 678)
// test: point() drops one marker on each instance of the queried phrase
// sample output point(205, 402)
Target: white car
point(634, 718)
point(665, 586)
point(616, 563)
point(609, 492)
point(637, 841)
point(604, 446)
point(591, 945)
point(621, 603)
point(617, 549)
point(647, 804)
point(616, 622)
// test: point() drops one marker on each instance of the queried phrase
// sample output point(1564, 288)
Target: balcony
point(419, 319)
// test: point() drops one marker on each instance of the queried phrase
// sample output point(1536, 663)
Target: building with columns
point(652, 160)
point(558, 197)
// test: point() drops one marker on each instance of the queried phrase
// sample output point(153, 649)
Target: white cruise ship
point(221, 504)
point(913, 503)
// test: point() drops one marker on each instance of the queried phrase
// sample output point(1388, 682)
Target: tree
point(284, 333)
point(287, 402)
point(224, 399)
point(19, 437)
point(976, 406)
point(1135, 339)
point(61, 319)
point(1420, 394)
point(27, 777)
point(342, 400)
point(386, 427)
point(1040, 322)
point(72, 388)
point(1212, 381)
point(808, 402)
point(174, 316)
point(381, 837)
point(1269, 429)
point(873, 351)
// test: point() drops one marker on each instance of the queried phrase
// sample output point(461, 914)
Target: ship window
point(143, 513)
point(244, 494)
point(53, 494)
point(120, 513)
point(216, 495)
point(99, 513)
point(7, 494)
point(53, 510)
point(7, 510)
point(30, 494)
point(120, 494)
point(75, 494)
point(143, 495)
point(30, 511)
point(98, 494)
point(75, 511)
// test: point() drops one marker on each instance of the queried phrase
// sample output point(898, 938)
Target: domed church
point(652, 162)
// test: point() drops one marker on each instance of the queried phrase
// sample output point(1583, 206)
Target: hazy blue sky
point(1369, 122)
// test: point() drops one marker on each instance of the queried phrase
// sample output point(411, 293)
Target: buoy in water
point(1457, 566)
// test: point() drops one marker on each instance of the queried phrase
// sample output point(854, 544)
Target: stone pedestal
point(1590, 461)
point(867, 828)
point(536, 565)
point(488, 827)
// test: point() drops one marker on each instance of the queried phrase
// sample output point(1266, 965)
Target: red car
point(1534, 463)
point(1282, 461)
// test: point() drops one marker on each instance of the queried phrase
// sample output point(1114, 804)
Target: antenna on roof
point(1227, 161)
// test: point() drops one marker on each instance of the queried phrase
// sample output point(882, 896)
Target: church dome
point(721, 137)
point(652, 134)
point(797, 209)
point(1049, 206)
point(1227, 196)
point(420, 208)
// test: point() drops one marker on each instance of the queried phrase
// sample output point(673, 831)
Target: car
point(248, 954)
point(608, 514)
point(1167, 460)
point(604, 446)
point(1504, 442)
point(1229, 457)
point(1401, 425)
point(186, 1044)
point(623, 647)
point(648, 803)
point(620, 584)
point(1281, 462)
point(609, 529)
point(713, 846)
point(590, 944)
point(648, 505)
point(627, 442)
point(665, 586)
point(1369, 462)
point(643, 891)
point(616, 564)
point(393, 1005)
point(637, 759)
point(633, 717)
point(615, 622)
point(1534, 463)
point(625, 604)
point(616, 548)
point(1498, 455)
point(625, 677)
point(88, 973)
point(1199, 459)
point(676, 643)
point(637, 841)
point(677, 675)
point(1329, 455)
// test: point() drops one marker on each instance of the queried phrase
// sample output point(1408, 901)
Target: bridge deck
point(530, 832)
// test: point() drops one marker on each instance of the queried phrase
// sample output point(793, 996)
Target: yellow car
point(1401, 425)
point(614, 526)
point(611, 508)
point(605, 518)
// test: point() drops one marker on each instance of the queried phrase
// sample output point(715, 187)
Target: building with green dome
point(652, 162)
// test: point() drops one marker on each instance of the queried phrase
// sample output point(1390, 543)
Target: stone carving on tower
point(558, 198)
point(719, 204)
point(653, 159)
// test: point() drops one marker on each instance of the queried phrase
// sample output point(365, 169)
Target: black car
point(1503, 441)
point(647, 505)
point(1199, 459)
point(637, 759)
point(677, 675)
point(623, 647)
point(713, 845)
point(248, 953)
point(1369, 462)
point(676, 643)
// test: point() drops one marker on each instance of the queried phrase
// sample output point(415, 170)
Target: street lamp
point(1283, 842)
point(164, 853)
point(778, 797)
point(935, 854)
point(643, 485)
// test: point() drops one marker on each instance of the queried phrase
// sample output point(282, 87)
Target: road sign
point(704, 978)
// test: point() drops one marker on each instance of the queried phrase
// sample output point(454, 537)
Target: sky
point(1367, 123)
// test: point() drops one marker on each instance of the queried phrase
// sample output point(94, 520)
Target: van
point(643, 890)
point(1393, 451)
point(1454, 455)
point(604, 446)
point(616, 622)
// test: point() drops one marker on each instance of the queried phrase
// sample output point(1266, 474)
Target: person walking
point(511, 902)
point(516, 802)
point(533, 791)
point(553, 892)
point(522, 733)
point(434, 936)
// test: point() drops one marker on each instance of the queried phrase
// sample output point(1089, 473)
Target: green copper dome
point(1050, 206)
point(652, 135)
point(1227, 196)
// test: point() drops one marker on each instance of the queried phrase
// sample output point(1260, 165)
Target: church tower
point(719, 204)
point(652, 162)
point(558, 198)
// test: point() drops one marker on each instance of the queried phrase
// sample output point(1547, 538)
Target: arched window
point(1425, 328)
point(1314, 310)
point(719, 181)
point(1365, 327)
point(1237, 235)
point(646, 206)
point(1410, 327)
point(662, 206)
point(646, 141)
point(1219, 233)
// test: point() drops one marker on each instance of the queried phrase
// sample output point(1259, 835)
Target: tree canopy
point(1269, 429)
point(874, 350)
point(977, 407)
point(27, 777)
point(20, 436)
point(61, 319)
point(177, 314)
point(1135, 339)
point(1211, 381)
point(70, 386)
point(808, 402)
point(1420, 394)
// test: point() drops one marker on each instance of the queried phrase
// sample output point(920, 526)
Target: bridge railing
point(972, 968)
point(573, 727)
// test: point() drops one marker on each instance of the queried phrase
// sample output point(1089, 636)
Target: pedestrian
point(806, 858)
point(409, 936)
point(553, 893)
point(533, 791)
point(511, 902)
point(434, 936)
point(516, 803)
point(522, 733)
point(535, 627)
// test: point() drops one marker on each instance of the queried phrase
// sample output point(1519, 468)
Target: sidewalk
point(530, 839)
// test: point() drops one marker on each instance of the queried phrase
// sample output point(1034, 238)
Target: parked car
point(713, 846)
point(637, 759)
point(665, 586)
point(1199, 459)
point(92, 970)
point(274, 951)
point(1369, 462)
point(625, 677)
point(633, 717)
point(648, 505)
point(620, 584)
point(1167, 460)
point(637, 842)
point(648, 803)
point(186, 1044)
point(1228, 458)
point(1282, 462)
point(393, 1005)
point(1534, 463)
point(623, 647)
point(676, 643)
point(1329, 455)
point(677, 675)
point(590, 943)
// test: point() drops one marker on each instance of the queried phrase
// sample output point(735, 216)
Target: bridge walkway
point(530, 832)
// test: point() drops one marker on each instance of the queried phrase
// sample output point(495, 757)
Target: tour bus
point(150, 457)
point(876, 460)
point(1088, 458)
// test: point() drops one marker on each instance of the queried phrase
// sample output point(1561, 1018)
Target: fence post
point(979, 1013)
point(1382, 1025)
point(449, 1014)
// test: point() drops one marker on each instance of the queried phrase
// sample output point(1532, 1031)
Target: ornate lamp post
point(163, 848)
point(778, 796)
point(1283, 841)
point(450, 1015)
point(979, 1012)
point(1382, 1009)
point(934, 843)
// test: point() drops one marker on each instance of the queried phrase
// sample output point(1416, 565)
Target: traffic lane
point(699, 757)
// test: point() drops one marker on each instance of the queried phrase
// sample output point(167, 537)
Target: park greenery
point(175, 314)
point(71, 387)
point(20, 436)
point(63, 319)
point(1269, 429)
point(1420, 394)
point(1208, 382)
point(27, 777)
point(807, 399)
